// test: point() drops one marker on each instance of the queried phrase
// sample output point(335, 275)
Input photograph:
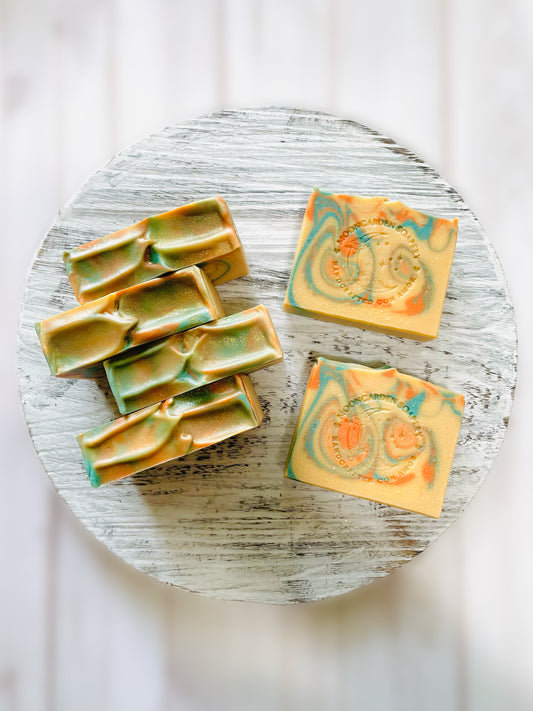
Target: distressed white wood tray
point(224, 522)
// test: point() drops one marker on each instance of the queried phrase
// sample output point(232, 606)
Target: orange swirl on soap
point(376, 433)
point(365, 434)
point(367, 256)
point(371, 262)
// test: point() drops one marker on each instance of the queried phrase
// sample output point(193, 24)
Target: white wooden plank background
point(80, 79)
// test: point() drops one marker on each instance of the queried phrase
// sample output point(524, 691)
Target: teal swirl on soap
point(363, 431)
point(240, 343)
point(372, 261)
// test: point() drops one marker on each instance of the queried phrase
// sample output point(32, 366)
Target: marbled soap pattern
point(240, 343)
point(373, 262)
point(76, 340)
point(201, 233)
point(169, 430)
point(378, 434)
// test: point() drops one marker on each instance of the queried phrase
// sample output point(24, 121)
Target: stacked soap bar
point(76, 340)
point(201, 233)
point(372, 262)
point(378, 434)
point(170, 429)
point(145, 304)
point(240, 343)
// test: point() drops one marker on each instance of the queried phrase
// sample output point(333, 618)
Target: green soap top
point(201, 233)
point(76, 340)
point(240, 343)
point(170, 429)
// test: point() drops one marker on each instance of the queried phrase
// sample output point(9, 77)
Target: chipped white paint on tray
point(224, 522)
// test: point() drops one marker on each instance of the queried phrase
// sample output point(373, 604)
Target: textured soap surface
point(378, 434)
point(201, 233)
point(372, 262)
point(74, 341)
point(240, 343)
point(170, 429)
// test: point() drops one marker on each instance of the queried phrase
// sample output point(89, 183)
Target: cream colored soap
point(378, 434)
point(372, 262)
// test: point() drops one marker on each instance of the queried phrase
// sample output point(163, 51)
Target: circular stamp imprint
point(377, 261)
point(376, 437)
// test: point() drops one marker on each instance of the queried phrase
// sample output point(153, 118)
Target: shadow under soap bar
point(170, 429)
point(240, 343)
point(201, 233)
point(378, 434)
point(373, 263)
point(76, 340)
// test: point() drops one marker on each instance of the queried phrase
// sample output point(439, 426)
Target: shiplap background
point(80, 79)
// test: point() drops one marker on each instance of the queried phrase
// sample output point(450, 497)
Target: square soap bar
point(201, 233)
point(372, 262)
point(170, 429)
point(76, 340)
point(240, 343)
point(377, 434)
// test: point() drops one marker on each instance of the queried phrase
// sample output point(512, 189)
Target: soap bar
point(373, 263)
point(74, 341)
point(378, 434)
point(201, 233)
point(240, 343)
point(170, 429)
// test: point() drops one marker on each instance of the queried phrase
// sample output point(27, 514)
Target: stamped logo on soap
point(376, 261)
point(376, 438)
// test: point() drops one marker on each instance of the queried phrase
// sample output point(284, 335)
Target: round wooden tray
point(225, 522)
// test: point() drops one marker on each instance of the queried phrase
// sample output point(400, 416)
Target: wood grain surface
point(79, 81)
point(224, 522)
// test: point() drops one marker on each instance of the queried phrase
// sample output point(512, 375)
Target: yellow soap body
point(373, 263)
point(377, 434)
